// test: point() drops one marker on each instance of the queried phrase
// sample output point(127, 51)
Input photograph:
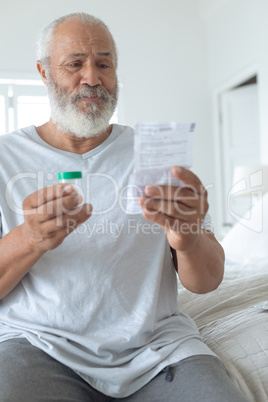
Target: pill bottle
point(73, 178)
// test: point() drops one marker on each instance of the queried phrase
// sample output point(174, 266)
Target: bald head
point(47, 37)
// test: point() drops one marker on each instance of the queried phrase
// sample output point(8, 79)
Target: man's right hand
point(46, 216)
point(48, 213)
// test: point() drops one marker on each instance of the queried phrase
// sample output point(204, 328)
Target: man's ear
point(42, 71)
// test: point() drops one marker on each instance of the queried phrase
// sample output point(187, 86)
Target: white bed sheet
point(233, 322)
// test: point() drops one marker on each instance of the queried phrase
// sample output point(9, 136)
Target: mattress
point(233, 321)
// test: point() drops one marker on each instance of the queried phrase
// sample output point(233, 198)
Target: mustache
point(99, 92)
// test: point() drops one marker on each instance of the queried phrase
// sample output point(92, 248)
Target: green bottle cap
point(69, 175)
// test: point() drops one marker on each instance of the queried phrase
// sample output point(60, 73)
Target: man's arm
point(180, 211)
point(17, 258)
point(46, 215)
point(201, 268)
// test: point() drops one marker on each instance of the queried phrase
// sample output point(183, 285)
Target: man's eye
point(74, 64)
point(103, 66)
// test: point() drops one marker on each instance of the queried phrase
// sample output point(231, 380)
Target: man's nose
point(90, 77)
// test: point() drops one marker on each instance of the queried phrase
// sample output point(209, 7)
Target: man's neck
point(52, 136)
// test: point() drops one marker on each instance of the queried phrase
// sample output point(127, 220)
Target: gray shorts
point(27, 374)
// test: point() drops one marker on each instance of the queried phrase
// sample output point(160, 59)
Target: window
point(32, 110)
point(23, 103)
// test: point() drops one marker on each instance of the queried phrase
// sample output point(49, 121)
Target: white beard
point(71, 119)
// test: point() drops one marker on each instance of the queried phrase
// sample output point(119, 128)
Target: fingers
point(174, 207)
point(184, 195)
point(166, 222)
point(67, 222)
point(166, 207)
point(50, 234)
point(52, 213)
point(50, 202)
point(187, 193)
point(46, 194)
point(58, 206)
point(187, 177)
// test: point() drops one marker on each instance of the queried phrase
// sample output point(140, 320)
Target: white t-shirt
point(104, 302)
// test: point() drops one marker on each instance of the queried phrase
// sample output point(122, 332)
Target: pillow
point(247, 241)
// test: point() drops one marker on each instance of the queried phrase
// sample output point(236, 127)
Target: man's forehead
point(70, 35)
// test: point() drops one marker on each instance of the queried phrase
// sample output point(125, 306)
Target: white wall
point(233, 36)
point(237, 37)
point(162, 59)
point(263, 79)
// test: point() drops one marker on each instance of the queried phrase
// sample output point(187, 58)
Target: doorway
point(240, 143)
point(237, 142)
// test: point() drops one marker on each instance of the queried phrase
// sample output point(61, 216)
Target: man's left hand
point(179, 210)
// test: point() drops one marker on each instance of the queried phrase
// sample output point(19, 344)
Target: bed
point(233, 320)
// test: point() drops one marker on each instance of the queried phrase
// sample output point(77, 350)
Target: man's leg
point(29, 374)
point(198, 378)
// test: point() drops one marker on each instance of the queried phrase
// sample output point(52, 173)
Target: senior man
point(95, 317)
